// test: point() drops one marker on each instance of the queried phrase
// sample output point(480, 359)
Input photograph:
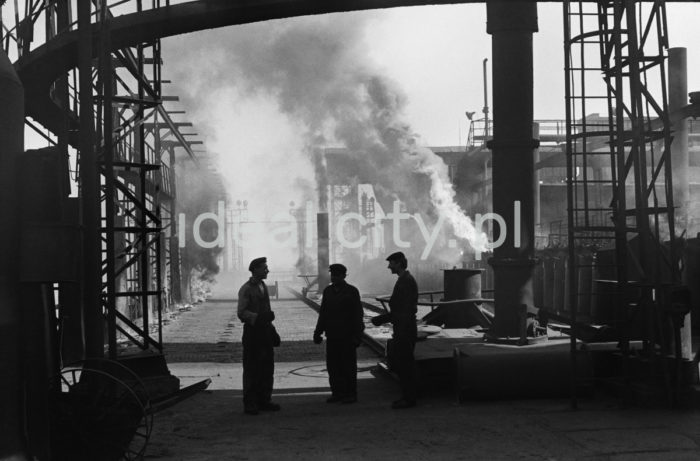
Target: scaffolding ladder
point(619, 183)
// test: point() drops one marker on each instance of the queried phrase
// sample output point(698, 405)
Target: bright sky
point(435, 55)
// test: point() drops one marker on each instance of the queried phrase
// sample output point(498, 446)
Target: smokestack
point(323, 250)
point(11, 147)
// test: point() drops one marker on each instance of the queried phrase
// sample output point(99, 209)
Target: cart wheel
point(99, 417)
point(119, 371)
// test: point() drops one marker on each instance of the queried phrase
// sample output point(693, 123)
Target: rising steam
point(317, 71)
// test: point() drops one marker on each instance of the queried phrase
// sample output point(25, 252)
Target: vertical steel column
point(323, 244)
point(175, 272)
point(11, 147)
point(107, 80)
point(678, 98)
point(571, 221)
point(511, 25)
point(89, 193)
point(537, 209)
point(142, 194)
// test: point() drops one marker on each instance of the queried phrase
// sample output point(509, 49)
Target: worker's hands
point(266, 317)
point(318, 339)
point(381, 319)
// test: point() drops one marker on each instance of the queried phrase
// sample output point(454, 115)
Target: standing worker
point(340, 319)
point(259, 339)
point(403, 305)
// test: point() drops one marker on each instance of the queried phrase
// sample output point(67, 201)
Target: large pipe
point(511, 25)
point(677, 99)
point(11, 147)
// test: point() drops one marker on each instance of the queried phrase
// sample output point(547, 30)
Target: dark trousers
point(258, 371)
point(341, 363)
point(403, 363)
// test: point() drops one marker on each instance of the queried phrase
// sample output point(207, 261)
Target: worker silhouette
point(340, 318)
point(259, 340)
point(403, 308)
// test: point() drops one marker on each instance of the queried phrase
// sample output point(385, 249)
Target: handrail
point(434, 304)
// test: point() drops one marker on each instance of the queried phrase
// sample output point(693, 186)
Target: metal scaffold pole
point(11, 148)
point(89, 183)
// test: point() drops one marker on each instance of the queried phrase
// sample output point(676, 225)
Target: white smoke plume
point(315, 70)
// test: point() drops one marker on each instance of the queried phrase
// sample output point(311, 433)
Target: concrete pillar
point(11, 147)
point(511, 25)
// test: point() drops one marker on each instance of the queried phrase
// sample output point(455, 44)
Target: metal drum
point(462, 284)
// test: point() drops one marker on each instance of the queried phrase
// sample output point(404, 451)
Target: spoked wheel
point(97, 416)
point(119, 371)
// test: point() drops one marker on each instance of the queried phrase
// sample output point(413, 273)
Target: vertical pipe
point(511, 25)
point(174, 225)
point(323, 250)
point(142, 193)
point(89, 193)
point(11, 147)
point(107, 80)
point(536, 178)
point(678, 98)
point(486, 103)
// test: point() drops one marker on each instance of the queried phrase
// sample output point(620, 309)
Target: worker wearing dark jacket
point(340, 318)
point(259, 338)
point(403, 306)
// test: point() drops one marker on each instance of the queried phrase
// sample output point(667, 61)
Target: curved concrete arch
point(42, 66)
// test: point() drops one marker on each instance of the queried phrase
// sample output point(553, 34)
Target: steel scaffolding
point(618, 166)
point(106, 112)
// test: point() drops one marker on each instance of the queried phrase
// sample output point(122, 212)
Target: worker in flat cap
point(403, 308)
point(340, 318)
point(259, 340)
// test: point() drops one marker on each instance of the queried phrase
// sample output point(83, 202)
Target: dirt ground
point(211, 425)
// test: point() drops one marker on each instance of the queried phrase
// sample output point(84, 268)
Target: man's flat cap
point(338, 269)
point(257, 262)
point(398, 256)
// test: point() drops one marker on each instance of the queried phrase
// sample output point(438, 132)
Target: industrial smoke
point(316, 71)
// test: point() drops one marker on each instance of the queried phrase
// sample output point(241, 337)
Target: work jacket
point(404, 306)
point(253, 299)
point(341, 312)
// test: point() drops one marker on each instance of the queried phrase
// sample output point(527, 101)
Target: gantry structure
point(91, 73)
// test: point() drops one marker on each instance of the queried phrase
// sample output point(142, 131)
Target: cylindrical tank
point(462, 284)
point(11, 147)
